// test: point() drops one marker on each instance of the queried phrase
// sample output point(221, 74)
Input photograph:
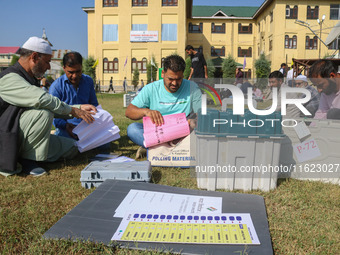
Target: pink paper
point(175, 126)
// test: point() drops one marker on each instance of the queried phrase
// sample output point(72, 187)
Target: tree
point(135, 78)
point(89, 67)
point(262, 66)
point(15, 59)
point(154, 68)
point(211, 68)
point(229, 67)
point(187, 69)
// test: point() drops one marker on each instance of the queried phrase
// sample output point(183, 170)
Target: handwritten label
point(306, 150)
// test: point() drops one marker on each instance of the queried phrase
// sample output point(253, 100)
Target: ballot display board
point(93, 219)
point(195, 229)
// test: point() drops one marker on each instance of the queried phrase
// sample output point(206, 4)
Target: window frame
point(199, 28)
point(334, 9)
point(140, 64)
point(292, 13)
point(314, 42)
point(313, 13)
point(242, 30)
point(221, 27)
point(244, 52)
point(217, 52)
point(290, 42)
point(110, 3)
point(169, 2)
point(139, 3)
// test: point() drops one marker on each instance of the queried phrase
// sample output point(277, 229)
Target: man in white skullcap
point(27, 112)
point(313, 104)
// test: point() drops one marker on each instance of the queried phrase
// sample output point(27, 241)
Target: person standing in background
point(198, 64)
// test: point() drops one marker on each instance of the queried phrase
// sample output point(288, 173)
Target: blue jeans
point(135, 133)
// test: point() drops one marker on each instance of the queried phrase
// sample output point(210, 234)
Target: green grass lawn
point(304, 216)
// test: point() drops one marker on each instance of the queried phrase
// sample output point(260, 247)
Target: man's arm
point(191, 72)
point(205, 72)
point(135, 113)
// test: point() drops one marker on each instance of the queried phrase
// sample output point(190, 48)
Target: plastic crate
point(232, 148)
point(326, 135)
point(127, 99)
point(97, 172)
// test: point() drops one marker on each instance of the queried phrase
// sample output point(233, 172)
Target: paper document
point(222, 228)
point(307, 150)
point(151, 201)
point(175, 126)
point(100, 132)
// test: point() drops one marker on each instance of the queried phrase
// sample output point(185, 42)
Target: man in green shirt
point(27, 112)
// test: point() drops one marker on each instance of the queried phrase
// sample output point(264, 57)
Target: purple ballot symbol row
point(185, 217)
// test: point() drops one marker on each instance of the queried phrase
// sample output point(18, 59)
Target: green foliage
point(211, 68)
point(154, 69)
point(135, 78)
point(229, 67)
point(15, 59)
point(187, 69)
point(88, 67)
point(262, 66)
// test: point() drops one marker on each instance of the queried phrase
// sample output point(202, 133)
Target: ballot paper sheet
point(101, 131)
point(161, 202)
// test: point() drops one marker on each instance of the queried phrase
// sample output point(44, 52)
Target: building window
point(110, 66)
point(140, 65)
point(248, 74)
point(169, 2)
point(312, 13)
point(270, 45)
point(115, 65)
point(110, 3)
point(245, 29)
point(110, 33)
point(271, 16)
point(290, 43)
point(196, 28)
point(291, 13)
point(335, 44)
point(218, 29)
point(217, 52)
point(244, 52)
point(139, 27)
point(139, 2)
point(335, 11)
point(169, 32)
point(311, 43)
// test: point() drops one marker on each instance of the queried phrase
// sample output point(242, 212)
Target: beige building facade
point(124, 35)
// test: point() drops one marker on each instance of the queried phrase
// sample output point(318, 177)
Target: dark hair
point(283, 64)
point(26, 53)
point(72, 58)
point(189, 47)
point(322, 67)
point(276, 74)
point(175, 63)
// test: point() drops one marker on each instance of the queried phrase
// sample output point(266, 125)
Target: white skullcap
point(38, 45)
point(301, 78)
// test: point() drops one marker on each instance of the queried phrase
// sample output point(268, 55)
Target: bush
point(88, 67)
point(187, 69)
point(154, 69)
point(135, 79)
point(211, 68)
point(262, 66)
point(229, 67)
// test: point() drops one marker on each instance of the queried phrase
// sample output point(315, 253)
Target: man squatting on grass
point(27, 112)
point(171, 95)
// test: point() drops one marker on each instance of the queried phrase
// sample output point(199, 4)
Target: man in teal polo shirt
point(171, 95)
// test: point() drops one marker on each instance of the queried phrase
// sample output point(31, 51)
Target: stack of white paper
point(101, 131)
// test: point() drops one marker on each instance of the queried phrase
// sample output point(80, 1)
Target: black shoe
point(31, 167)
